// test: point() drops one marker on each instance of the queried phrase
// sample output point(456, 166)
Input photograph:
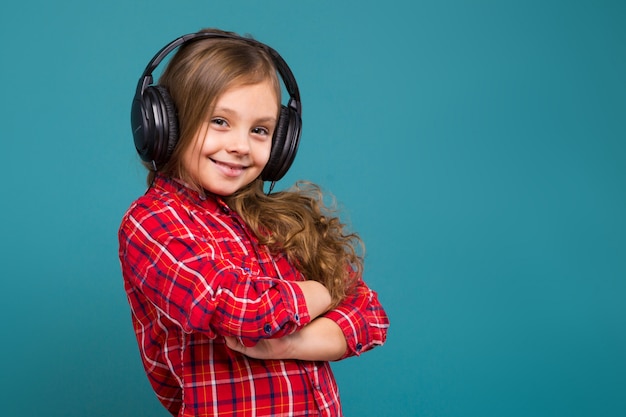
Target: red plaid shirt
point(193, 273)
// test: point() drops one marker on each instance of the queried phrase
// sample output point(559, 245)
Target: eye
point(261, 131)
point(218, 121)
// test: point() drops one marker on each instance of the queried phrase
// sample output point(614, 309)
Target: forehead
point(249, 103)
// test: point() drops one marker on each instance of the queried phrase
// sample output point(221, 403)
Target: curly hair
point(298, 223)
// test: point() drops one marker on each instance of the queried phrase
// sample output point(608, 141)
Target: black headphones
point(155, 123)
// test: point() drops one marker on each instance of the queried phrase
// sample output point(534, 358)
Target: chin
point(227, 188)
point(223, 191)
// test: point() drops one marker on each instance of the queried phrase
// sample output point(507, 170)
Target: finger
point(233, 343)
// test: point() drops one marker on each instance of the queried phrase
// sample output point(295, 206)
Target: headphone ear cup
point(284, 145)
point(155, 125)
point(278, 143)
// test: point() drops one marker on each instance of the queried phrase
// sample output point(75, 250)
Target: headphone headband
point(281, 66)
point(155, 123)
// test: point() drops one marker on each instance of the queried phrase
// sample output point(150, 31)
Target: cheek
point(263, 153)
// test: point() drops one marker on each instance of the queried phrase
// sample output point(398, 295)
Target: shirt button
point(359, 347)
point(296, 317)
point(267, 328)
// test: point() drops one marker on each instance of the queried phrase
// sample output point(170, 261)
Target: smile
point(228, 169)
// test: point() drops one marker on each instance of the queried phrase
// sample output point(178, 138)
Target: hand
point(320, 340)
point(265, 349)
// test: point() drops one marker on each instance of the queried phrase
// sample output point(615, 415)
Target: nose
point(238, 142)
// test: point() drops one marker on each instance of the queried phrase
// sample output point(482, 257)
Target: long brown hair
point(300, 224)
point(296, 222)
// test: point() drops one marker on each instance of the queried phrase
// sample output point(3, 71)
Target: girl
point(239, 299)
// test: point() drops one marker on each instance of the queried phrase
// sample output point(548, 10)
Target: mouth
point(229, 169)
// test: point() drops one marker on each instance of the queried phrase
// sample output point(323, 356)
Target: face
point(233, 146)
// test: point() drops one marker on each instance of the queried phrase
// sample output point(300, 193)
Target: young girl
point(239, 299)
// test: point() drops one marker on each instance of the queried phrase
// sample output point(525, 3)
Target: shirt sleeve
point(362, 319)
point(186, 277)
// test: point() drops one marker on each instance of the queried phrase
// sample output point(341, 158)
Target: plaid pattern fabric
point(193, 273)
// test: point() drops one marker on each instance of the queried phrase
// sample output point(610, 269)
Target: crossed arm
point(358, 324)
point(209, 290)
point(320, 340)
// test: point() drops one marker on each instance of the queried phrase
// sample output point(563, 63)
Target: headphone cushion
point(278, 144)
point(162, 132)
point(170, 127)
point(284, 145)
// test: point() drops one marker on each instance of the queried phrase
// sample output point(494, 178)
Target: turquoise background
point(478, 147)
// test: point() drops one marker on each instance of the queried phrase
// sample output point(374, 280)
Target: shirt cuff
point(290, 311)
point(350, 330)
